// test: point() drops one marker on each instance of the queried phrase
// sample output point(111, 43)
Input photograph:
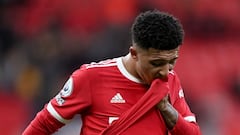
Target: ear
point(133, 52)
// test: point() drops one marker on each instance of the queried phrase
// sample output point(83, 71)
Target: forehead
point(153, 54)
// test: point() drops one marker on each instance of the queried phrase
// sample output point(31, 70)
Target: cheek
point(143, 68)
point(147, 72)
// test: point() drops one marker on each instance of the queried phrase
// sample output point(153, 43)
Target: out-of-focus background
point(43, 41)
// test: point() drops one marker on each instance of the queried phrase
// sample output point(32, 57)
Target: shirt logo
point(180, 93)
point(59, 100)
point(117, 99)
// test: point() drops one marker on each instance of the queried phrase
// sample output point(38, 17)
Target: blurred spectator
point(28, 83)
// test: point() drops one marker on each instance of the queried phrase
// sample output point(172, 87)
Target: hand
point(169, 113)
point(164, 103)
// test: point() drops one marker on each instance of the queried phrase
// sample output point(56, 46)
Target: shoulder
point(174, 81)
point(173, 75)
point(176, 91)
point(100, 64)
point(95, 67)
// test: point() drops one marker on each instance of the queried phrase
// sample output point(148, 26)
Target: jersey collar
point(124, 71)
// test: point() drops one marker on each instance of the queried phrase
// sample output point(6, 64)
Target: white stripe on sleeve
point(190, 119)
point(55, 114)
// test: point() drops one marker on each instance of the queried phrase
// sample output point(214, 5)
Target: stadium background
point(42, 42)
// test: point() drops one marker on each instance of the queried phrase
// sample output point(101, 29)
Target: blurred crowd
point(43, 41)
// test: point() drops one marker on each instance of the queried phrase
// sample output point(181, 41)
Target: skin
point(150, 64)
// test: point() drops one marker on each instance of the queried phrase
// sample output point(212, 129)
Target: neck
point(129, 64)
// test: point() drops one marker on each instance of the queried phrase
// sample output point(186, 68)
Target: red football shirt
point(102, 91)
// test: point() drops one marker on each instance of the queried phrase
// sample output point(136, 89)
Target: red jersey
point(102, 91)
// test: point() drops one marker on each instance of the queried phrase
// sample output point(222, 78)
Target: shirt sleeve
point(183, 127)
point(186, 123)
point(73, 99)
point(43, 124)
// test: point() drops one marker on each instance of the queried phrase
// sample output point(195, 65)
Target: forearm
point(170, 115)
point(176, 124)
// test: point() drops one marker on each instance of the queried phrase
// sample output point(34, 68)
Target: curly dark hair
point(158, 30)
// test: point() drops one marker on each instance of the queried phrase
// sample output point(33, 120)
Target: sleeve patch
point(67, 88)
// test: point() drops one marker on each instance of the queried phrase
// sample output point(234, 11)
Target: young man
point(135, 94)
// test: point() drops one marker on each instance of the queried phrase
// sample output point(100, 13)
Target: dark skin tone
point(151, 64)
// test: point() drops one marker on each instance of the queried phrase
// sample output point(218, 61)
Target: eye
point(158, 63)
point(173, 61)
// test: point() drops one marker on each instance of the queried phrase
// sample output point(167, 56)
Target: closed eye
point(159, 63)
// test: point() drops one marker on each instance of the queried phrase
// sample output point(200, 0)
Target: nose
point(165, 70)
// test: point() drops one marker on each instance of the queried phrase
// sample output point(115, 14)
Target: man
point(135, 94)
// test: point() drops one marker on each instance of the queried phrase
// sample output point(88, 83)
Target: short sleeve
point(73, 98)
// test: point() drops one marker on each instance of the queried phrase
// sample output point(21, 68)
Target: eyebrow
point(164, 60)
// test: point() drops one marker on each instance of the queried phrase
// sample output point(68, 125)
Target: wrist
point(169, 114)
point(164, 106)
